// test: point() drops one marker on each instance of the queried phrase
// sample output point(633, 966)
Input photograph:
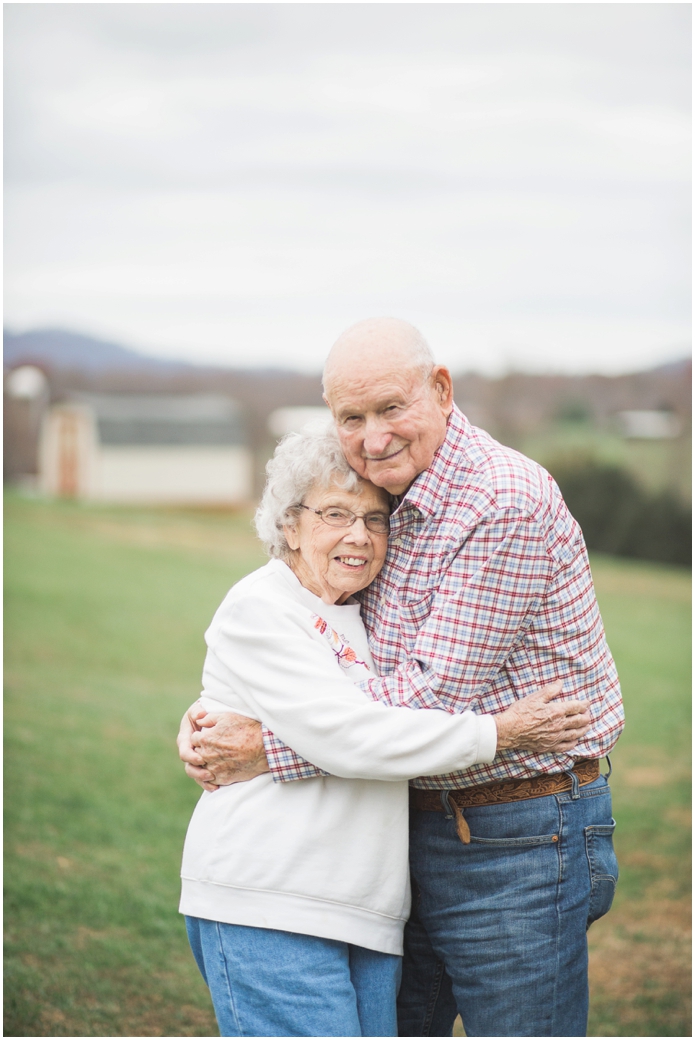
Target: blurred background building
point(183, 448)
point(79, 425)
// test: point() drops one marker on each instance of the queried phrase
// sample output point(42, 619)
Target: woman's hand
point(539, 722)
point(221, 749)
point(194, 762)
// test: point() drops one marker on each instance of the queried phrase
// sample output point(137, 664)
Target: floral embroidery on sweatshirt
point(342, 650)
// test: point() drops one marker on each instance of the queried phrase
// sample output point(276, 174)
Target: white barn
point(146, 448)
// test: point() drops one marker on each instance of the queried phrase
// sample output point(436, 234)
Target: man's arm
point(482, 606)
point(484, 603)
point(539, 722)
point(266, 657)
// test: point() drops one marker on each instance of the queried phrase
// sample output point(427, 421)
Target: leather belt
point(499, 791)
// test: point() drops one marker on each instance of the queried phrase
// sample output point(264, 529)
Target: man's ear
point(444, 387)
point(291, 536)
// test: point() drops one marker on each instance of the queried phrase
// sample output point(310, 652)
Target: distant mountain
point(680, 367)
point(72, 352)
point(56, 348)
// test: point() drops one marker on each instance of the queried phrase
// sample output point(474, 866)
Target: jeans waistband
point(586, 770)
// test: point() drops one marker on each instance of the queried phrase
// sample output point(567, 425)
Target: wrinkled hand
point(539, 722)
point(195, 764)
point(229, 748)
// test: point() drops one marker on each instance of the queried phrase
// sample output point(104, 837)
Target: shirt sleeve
point(485, 603)
point(284, 674)
point(285, 764)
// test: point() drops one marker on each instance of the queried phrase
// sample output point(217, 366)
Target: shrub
point(617, 516)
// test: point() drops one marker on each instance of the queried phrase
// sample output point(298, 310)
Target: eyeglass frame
point(355, 516)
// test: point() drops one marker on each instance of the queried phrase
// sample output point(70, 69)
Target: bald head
point(389, 400)
point(382, 343)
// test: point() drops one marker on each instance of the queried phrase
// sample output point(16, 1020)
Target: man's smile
point(384, 458)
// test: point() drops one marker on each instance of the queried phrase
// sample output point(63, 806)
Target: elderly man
point(486, 594)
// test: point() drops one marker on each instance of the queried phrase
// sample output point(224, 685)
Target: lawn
point(104, 616)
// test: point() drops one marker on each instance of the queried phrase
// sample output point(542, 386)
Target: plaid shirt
point(486, 595)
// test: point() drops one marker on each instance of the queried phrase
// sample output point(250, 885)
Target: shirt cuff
point(487, 738)
point(284, 764)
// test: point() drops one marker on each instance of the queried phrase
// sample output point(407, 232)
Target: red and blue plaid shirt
point(486, 595)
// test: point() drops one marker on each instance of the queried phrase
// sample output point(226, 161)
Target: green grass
point(104, 620)
point(640, 967)
point(105, 614)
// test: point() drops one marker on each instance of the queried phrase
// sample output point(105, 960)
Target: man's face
point(391, 422)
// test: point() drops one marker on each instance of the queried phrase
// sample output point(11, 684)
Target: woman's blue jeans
point(498, 927)
point(265, 982)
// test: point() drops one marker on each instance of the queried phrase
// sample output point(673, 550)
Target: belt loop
point(607, 776)
point(444, 795)
point(575, 784)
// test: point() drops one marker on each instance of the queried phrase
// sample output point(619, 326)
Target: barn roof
point(145, 419)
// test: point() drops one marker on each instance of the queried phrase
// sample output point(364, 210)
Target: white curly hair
point(301, 461)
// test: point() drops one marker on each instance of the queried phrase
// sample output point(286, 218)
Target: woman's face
point(334, 562)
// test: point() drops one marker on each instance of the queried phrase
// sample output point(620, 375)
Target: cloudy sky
point(236, 183)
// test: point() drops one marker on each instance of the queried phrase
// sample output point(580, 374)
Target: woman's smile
point(351, 562)
point(334, 562)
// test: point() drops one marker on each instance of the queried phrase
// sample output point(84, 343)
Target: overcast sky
point(236, 183)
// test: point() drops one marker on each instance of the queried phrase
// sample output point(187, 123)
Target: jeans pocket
point(516, 843)
point(603, 869)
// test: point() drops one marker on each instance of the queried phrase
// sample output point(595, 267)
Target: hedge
point(618, 516)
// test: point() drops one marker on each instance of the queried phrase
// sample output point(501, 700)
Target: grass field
point(105, 611)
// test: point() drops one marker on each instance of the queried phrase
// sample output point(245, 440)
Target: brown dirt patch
point(221, 539)
point(83, 936)
point(52, 1019)
point(646, 776)
point(680, 816)
point(139, 1019)
point(616, 579)
point(639, 967)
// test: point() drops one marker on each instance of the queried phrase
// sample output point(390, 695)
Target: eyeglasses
point(378, 523)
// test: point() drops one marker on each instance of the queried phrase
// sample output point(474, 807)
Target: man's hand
point(221, 749)
point(541, 723)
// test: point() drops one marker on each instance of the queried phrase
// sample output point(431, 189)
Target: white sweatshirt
point(326, 856)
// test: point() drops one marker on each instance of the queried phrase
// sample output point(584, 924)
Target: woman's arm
point(268, 653)
point(267, 660)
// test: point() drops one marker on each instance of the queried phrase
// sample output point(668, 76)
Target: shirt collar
point(429, 491)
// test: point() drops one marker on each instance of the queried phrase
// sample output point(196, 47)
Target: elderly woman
point(296, 895)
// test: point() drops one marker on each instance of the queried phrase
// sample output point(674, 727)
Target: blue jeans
point(265, 982)
point(498, 927)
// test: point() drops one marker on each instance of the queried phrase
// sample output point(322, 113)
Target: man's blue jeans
point(265, 982)
point(498, 927)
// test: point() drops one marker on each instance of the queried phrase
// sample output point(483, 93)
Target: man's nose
point(377, 437)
